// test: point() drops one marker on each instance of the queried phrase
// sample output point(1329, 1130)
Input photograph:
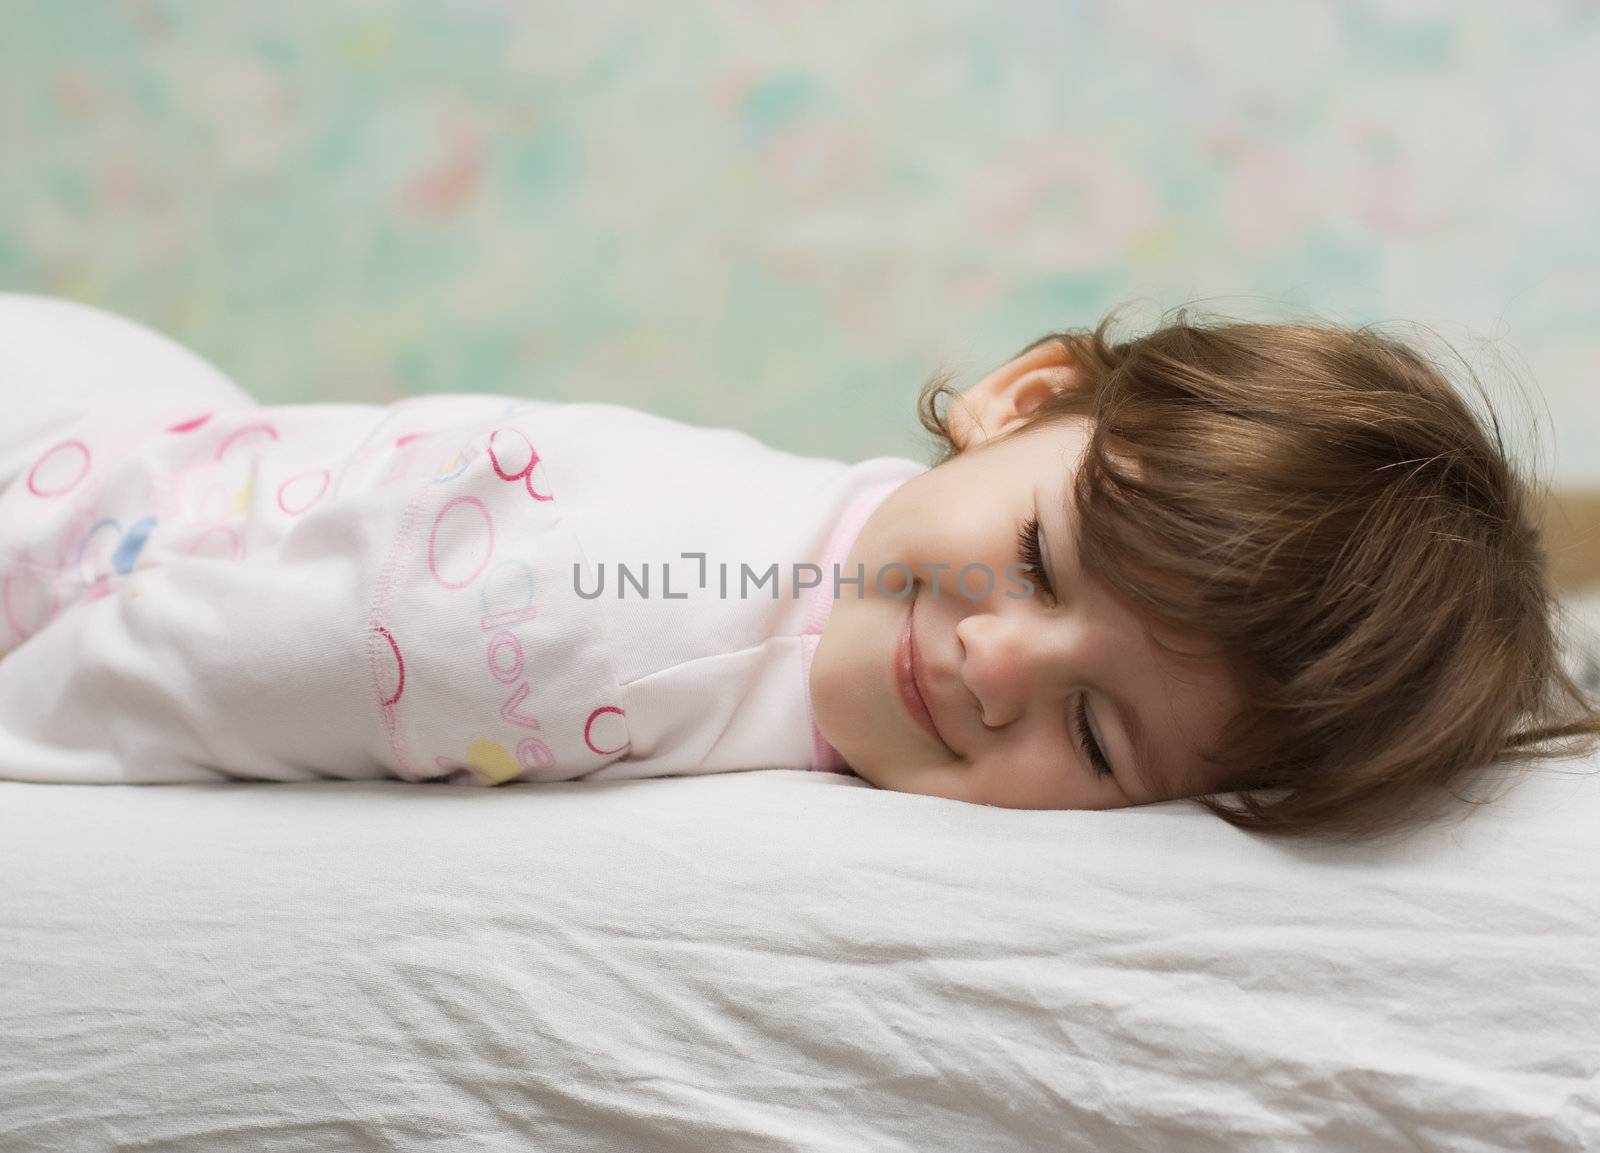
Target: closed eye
point(1032, 554)
point(1032, 558)
point(1091, 747)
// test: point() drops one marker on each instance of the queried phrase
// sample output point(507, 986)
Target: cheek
point(1035, 780)
point(952, 782)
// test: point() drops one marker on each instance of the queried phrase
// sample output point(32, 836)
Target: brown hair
point(1321, 504)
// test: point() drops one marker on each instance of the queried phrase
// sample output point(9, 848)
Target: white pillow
point(783, 960)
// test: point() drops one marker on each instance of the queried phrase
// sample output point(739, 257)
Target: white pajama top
point(472, 588)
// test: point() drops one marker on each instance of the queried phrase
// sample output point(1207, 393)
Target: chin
point(844, 715)
point(867, 775)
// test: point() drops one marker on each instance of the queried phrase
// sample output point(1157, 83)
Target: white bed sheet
point(783, 960)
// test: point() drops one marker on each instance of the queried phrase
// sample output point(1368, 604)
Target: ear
point(1007, 396)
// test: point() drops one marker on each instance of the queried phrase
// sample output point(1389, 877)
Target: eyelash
point(1033, 565)
point(1032, 559)
point(1102, 767)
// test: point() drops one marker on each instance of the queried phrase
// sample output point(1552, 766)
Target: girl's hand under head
point(1041, 690)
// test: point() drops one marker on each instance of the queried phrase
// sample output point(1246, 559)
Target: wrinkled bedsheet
point(783, 960)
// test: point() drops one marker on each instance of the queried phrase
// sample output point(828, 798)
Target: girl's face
point(1004, 677)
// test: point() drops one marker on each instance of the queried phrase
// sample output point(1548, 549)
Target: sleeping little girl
point(1282, 565)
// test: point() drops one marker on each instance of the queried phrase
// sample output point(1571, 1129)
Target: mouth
point(907, 677)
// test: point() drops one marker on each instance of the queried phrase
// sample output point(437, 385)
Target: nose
point(1005, 658)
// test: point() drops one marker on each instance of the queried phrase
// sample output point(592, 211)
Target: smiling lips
point(906, 679)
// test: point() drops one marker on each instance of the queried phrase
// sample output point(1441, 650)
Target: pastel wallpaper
point(783, 217)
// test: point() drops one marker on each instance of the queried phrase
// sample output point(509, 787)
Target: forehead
point(1038, 456)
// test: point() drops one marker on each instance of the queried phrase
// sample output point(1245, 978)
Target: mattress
point(780, 960)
